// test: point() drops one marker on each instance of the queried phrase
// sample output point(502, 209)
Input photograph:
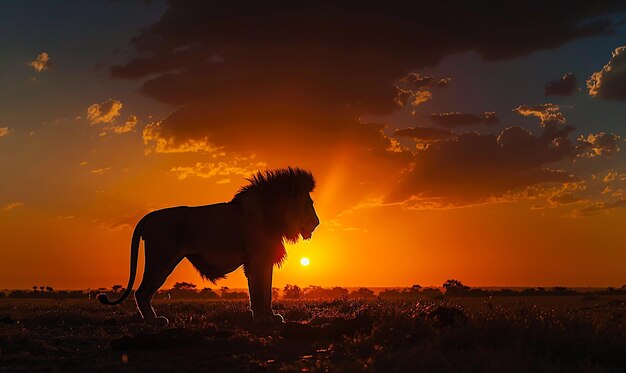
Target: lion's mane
point(269, 193)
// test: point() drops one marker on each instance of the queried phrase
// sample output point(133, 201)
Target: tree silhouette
point(363, 293)
point(117, 288)
point(292, 292)
point(455, 287)
point(184, 286)
point(209, 293)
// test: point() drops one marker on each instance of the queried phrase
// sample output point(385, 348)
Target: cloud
point(212, 169)
point(474, 168)
point(548, 114)
point(13, 205)
point(456, 119)
point(4, 131)
point(128, 126)
point(41, 63)
point(99, 171)
point(291, 81)
point(610, 82)
point(162, 143)
point(600, 144)
point(598, 207)
point(413, 88)
point(613, 175)
point(443, 82)
point(566, 86)
point(415, 81)
point(567, 194)
point(105, 112)
point(425, 135)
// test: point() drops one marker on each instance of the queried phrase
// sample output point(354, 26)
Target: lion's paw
point(159, 321)
point(268, 319)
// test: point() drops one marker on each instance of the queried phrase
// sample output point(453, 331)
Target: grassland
point(525, 334)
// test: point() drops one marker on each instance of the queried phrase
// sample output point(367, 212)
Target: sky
point(477, 142)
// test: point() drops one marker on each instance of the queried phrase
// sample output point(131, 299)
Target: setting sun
point(305, 261)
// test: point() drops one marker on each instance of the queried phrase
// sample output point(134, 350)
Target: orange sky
point(437, 157)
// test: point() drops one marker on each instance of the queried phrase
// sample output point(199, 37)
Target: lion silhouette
point(250, 230)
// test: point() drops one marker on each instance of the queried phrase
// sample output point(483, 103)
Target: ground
point(566, 333)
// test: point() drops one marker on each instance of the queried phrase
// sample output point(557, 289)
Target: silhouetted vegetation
point(450, 288)
point(521, 334)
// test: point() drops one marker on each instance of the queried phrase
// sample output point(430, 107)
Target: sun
point(305, 261)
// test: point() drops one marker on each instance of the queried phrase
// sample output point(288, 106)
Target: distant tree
point(292, 292)
point(41, 288)
point(275, 293)
point(34, 288)
point(362, 293)
point(184, 286)
point(431, 292)
point(209, 293)
point(234, 295)
point(117, 288)
point(49, 289)
point(390, 294)
point(455, 287)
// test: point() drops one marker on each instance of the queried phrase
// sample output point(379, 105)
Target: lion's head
point(283, 196)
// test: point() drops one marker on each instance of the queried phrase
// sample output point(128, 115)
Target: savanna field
point(445, 334)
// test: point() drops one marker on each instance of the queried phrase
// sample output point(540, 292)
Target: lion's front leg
point(260, 288)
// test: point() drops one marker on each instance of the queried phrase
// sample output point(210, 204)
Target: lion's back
point(212, 225)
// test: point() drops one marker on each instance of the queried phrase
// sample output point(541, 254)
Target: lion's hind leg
point(158, 267)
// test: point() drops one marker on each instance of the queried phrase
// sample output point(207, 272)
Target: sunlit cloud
point(610, 82)
point(599, 207)
point(41, 63)
point(99, 171)
point(156, 141)
point(13, 205)
point(548, 114)
point(128, 126)
point(614, 176)
point(105, 112)
point(213, 169)
point(600, 144)
point(4, 131)
point(414, 88)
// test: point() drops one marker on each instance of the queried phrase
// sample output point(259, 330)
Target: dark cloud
point(566, 86)
point(220, 51)
point(475, 167)
point(415, 81)
point(610, 82)
point(443, 82)
point(254, 77)
point(425, 135)
point(455, 119)
point(598, 207)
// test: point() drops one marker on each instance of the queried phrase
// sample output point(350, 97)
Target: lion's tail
point(134, 253)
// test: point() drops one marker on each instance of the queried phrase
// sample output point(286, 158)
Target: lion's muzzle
point(307, 230)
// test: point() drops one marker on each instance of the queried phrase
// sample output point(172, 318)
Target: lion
point(250, 230)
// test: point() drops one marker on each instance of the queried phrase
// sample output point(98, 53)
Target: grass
point(525, 334)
